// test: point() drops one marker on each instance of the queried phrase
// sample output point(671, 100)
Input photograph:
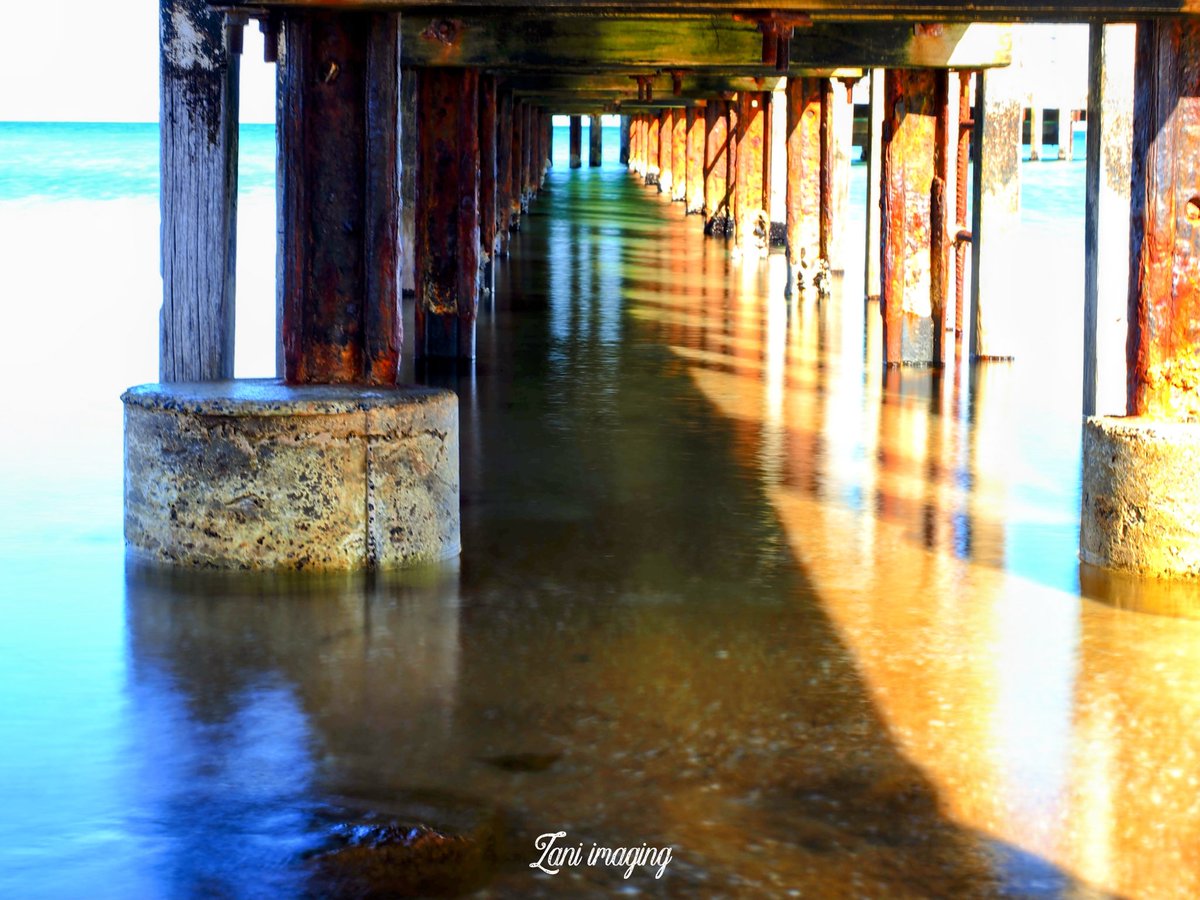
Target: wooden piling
point(575, 151)
point(679, 149)
point(825, 210)
point(751, 223)
point(716, 168)
point(1163, 350)
point(962, 243)
point(487, 166)
point(1065, 135)
point(666, 156)
point(625, 140)
point(516, 157)
point(1106, 231)
point(504, 194)
point(339, 90)
point(997, 218)
point(803, 152)
point(874, 156)
point(653, 150)
point(941, 241)
point(841, 144)
point(408, 181)
point(911, 335)
point(198, 131)
point(595, 142)
point(695, 160)
point(448, 212)
point(1037, 129)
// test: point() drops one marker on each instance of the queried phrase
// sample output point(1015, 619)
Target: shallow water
point(724, 588)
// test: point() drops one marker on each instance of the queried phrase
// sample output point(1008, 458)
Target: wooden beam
point(561, 44)
point(198, 130)
point(817, 10)
point(339, 135)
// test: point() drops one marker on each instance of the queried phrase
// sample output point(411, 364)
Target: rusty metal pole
point(716, 168)
point(828, 134)
point(487, 175)
point(911, 335)
point(803, 152)
point(637, 152)
point(733, 111)
point(874, 156)
point(940, 238)
point(679, 148)
point(962, 241)
point(516, 154)
point(653, 151)
point(695, 160)
point(666, 153)
point(504, 108)
point(447, 212)
point(751, 223)
point(528, 154)
point(1163, 350)
point(626, 140)
point(340, 197)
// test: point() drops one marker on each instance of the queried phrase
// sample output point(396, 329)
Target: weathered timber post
point(666, 156)
point(776, 166)
point(941, 241)
point(874, 181)
point(679, 147)
point(448, 223)
point(348, 470)
point(517, 165)
point(911, 327)
point(576, 142)
point(842, 141)
point(198, 129)
point(595, 142)
point(527, 156)
point(625, 140)
point(961, 188)
point(695, 160)
point(408, 181)
point(997, 217)
point(751, 223)
point(1141, 510)
point(1066, 135)
point(653, 149)
point(504, 191)
point(803, 151)
point(339, 183)
point(1037, 130)
point(1106, 236)
point(637, 145)
point(825, 210)
point(716, 168)
point(487, 177)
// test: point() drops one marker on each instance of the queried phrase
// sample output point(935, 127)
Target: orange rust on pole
point(909, 136)
point(527, 156)
point(940, 243)
point(679, 149)
point(487, 165)
point(965, 125)
point(666, 127)
point(447, 218)
point(828, 136)
point(804, 181)
point(695, 161)
point(751, 229)
point(575, 158)
point(653, 150)
point(716, 168)
point(515, 157)
point(733, 110)
point(340, 198)
point(1163, 347)
point(504, 107)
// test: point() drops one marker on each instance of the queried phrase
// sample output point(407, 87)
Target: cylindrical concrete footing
point(254, 474)
point(1141, 498)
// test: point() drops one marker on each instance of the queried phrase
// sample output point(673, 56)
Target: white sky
point(97, 61)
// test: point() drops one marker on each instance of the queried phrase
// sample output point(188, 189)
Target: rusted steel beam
point(1164, 285)
point(808, 266)
point(504, 191)
point(962, 161)
point(595, 142)
point(487, 165)
point(695, 160)
point(666, 152)
point(716, 168)
point(340, 198)
point(752, 224)
point(911, 335)
point(575, 151)
point(678, 155)
point(653, 150)
point(447, 213)
point(198, 129)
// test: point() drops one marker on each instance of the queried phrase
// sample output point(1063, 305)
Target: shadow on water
point(630, 650)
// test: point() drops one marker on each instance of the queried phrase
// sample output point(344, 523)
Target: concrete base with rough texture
point(1141, 499)
point(253, 474)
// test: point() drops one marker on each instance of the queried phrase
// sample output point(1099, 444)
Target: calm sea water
point(723, 587)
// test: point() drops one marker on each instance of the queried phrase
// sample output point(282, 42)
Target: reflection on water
point(724, 587)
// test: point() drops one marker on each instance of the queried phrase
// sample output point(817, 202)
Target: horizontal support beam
point(817, 10)
point(523, 41)
point(693, 84)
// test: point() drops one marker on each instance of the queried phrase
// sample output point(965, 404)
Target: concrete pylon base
point(254, 474)
point(1141, 497)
